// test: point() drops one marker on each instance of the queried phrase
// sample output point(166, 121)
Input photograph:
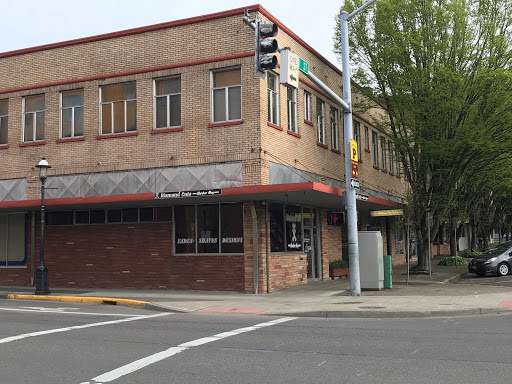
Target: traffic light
point(265, 44)
point(336, 218)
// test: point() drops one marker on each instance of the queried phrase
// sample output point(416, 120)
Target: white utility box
point(371, 260)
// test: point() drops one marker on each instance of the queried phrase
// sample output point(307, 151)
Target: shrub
point(338, 263)
point(451, 260)
point(472, 254)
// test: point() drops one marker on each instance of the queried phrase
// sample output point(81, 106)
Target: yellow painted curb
point(83, 299)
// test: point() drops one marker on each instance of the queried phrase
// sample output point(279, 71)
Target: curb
point(82, 299)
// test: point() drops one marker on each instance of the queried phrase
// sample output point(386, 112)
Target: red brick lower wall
point(287, 270)
point(127, 256)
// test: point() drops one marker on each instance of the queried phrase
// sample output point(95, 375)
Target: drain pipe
point(255, 248)
point(267, 258)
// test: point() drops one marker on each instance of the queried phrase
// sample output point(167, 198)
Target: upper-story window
point(4, 116)
point(168, 103)
point(118, 108)
point(334, 129)
point(391, 153)
point(383, 152)
point(397, 168)
point(72, 113)
point(375, 141)
point(320, 121)
point(226, 95)
point(366, 138)
point(357, 136)
point(307, 106)
point(291, 102)
point(33, 118)
point(272, 98)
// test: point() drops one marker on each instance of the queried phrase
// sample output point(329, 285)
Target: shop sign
point(387, 212)
point(200, 193)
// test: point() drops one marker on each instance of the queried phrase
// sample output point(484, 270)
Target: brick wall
point(331, 242)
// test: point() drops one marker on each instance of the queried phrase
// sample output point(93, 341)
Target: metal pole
point(353, 246)
point(408, 248)
point(429, 251)
point(42, 285)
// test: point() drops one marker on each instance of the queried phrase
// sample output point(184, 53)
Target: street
point(55, 342)
point(501, 281)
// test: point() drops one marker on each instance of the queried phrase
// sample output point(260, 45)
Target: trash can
point(388, 271)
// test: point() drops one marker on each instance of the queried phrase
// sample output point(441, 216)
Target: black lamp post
point(42, 286)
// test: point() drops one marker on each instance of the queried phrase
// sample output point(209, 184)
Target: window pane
point(227, 78)
point(15, 239)
point(119, 117)
point(163, 213)
point(3, 129)
point(130, 215)
point(98, 216)
point(235, 103)
point(73, 98)
point(175, 110)
point(39, 125)
point(35, 103)
point(271, 81)
point(161, 112)
point(81, 217)
point(276, 228)
point(293, 228)
point(167, 86)
point(219, 105)
point(146, 214)
point(79, 121)
point(106, 119)
point(28, 132)
point(232, 228)
point(3, 239)
point(184, 238)
point(59, 218)
point(66, 122)
point(208, 228)
point(118, 92)
point(4, 106)
point(131, 116)
point(114, 215)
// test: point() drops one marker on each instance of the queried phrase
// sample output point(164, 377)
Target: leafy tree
point(441, 70)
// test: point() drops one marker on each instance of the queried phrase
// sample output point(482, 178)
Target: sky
point(29, 23)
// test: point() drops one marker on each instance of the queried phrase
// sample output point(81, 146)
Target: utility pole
point(353, 244)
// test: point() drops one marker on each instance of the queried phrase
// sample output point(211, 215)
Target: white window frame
point(168, 97)
point(307, 106)
point(271, 95)
point(5, 117)
point(376, 154)
point(391, 153)
point(72, 116)
point(291, 105)
point(366, 138)
point(320, 121)
point(383, 153)
point(112, 110)
point(334, 129)
point(34, 126)
point(226, 94)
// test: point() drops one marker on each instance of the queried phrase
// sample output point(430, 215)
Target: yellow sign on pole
point(353, 150)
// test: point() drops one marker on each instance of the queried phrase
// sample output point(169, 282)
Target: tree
point(441, 70)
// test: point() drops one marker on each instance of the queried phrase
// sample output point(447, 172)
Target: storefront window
point(232, 228)
point(208, 228)
point(184, 217)
point(293, 228)
point(276, 228)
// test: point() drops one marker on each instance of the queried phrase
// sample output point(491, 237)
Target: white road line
point(66, 313)
point(57, 330)
point(144, 362)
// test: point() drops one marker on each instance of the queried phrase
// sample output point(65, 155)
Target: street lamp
point(42, 286)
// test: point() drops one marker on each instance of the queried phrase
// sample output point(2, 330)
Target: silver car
point(497, 261)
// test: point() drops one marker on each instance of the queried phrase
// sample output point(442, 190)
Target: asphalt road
point(471, 278)
point(54, 342)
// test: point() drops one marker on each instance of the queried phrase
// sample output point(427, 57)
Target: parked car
point(497, 261)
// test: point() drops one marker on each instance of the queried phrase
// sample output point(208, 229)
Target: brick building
point(134, 130)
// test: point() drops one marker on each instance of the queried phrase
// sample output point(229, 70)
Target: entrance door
point(311, 249)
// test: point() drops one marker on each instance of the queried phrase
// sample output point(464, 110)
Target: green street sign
point(303, 65)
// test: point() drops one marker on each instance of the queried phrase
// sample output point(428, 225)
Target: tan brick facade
point(141, 255)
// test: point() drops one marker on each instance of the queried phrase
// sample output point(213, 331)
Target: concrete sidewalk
point(418, 296)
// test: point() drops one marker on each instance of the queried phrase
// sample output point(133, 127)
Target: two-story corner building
point(174, 166)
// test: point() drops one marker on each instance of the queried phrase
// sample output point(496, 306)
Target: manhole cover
point(372, 307)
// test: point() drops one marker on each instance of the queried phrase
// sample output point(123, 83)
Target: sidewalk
point(420, 296)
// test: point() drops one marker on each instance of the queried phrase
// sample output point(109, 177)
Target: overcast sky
point(28, 23)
